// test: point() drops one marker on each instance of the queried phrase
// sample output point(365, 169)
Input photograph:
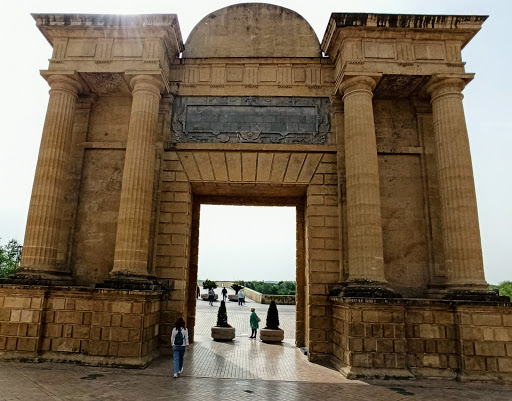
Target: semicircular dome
point(252, 30)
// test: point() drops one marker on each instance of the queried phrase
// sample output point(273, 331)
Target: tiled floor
point(244, 369)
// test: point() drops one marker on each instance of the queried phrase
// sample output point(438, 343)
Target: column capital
point(447, 84)
point(64, 82)
point(147, 83)
point(361, 83)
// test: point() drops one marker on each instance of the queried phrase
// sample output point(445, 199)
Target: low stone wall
point(79, 324)
point(422, 338)
point(267, 298)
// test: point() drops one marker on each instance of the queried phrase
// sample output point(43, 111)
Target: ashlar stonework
point(363, 133)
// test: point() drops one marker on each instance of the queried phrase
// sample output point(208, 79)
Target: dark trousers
point(253, 334)
point(240, 301)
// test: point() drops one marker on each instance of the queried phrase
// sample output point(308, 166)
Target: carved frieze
point(284, 120)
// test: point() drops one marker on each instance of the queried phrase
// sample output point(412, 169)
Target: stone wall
point(79, 324)
point(267, 298)
point(422, 338)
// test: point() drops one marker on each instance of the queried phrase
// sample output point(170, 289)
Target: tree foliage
point(236, 287)
point(272, 317)
point(222, 316)
point(207, 284)
point(10, 255)
point(505, 288)
point(281, 288)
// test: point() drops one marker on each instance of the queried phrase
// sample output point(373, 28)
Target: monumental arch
point(364, 133)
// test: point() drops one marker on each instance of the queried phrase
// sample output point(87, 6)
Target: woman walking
point(179, 340)
point(254, 320)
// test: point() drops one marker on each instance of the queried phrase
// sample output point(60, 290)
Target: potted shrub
point(207, 285)
point(223, 331)
point(236, 287)
point(272, 333)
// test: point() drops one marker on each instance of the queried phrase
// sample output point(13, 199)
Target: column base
point(471, 293)
point(363, 289)
point(476, 295)
point(39, 278)
point(123, 282)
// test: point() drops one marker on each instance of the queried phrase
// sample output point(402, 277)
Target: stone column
point(38, 261)
point(461, 233)
point(134, 221)
point(365, 249)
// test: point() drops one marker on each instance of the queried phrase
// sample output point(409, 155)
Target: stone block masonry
point(423, 339)
point(79, 324)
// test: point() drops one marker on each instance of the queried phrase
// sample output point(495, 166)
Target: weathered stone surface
point(369, 145)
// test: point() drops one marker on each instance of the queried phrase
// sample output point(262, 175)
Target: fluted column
point(365, 250)
point(461, 233)
point(133, 226)
point(44, 216)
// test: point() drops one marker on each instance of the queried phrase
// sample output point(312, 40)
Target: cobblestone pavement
point(245, 369)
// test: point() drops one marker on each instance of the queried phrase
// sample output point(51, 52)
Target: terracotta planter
point(271, 336)
point(233, 298)
point(223, 333)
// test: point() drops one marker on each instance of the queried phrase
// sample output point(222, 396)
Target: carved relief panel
point(250, 120)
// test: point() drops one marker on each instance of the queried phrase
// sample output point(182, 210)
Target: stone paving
point(245, 369)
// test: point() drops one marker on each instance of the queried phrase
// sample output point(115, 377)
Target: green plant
point(281, 288)
point(504, 288)
point(222, 316)
point(272, 317)
point(10, 255)
point(237, 287)
point(207, 284)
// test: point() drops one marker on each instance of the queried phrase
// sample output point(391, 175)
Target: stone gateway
point(363, 133)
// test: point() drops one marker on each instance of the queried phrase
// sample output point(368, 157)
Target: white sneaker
point(181, 371)
point(175, 375)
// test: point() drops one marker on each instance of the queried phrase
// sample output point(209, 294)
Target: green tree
point(505, 288)
point(272, 317)
point(222, 316)
point(10, 256)
point(207, 284)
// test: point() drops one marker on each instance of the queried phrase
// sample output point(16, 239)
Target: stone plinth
point(79, 324)
point(423, 338)
point(271, 336)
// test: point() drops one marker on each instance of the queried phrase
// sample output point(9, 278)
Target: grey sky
point(487, 103)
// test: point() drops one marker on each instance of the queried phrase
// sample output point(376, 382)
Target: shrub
point(236, 287)
point(281, 288)
point(272, 317)
point(207, 284)
point(222, 316)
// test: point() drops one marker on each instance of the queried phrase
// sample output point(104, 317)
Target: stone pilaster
point(365, 248)
point(38, 261)
point(134, 222)
point(461, 233)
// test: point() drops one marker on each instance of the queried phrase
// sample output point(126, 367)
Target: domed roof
point(252, 30)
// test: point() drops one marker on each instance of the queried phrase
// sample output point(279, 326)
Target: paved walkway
point(245, 369)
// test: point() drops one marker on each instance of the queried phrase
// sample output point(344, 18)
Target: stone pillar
point(133, 226)
point(365, 249)
point(38, 261)
point(461, 233)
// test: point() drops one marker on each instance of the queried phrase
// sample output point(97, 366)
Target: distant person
point(180, 343)
point(241, 297)
point(211, 296)
point(254, 321)
point(224, 294)
point(198, 292)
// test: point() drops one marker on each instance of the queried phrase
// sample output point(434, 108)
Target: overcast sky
point(24, 98)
